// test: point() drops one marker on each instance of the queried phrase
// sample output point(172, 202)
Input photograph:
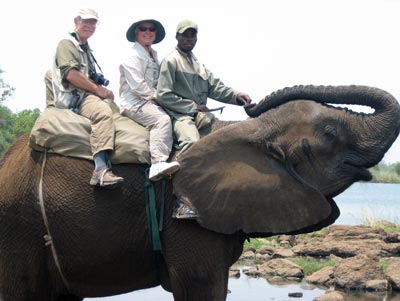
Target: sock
point(100, 161)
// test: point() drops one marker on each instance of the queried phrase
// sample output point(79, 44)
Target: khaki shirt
point(69, 55)
point(185, 83)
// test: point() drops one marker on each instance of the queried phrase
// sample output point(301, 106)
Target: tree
point(13, 125)
point(16, 125)
point(396, 168)
point(5, 89)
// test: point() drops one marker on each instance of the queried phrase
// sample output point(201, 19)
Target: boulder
point(354, 273)
point(325, 277)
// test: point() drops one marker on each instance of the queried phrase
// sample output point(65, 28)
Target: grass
point(384, 264)
point(257, 243)
point(388, 227)
point(311, 265)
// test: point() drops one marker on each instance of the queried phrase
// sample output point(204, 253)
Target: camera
point(99, 79)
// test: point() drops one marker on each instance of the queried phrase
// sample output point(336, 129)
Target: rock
point(378, 285)
point(340, 232)
point(295, 295)
point(253, 272)
point(325, 277)
point(356, 251)
point(330, 296)
point(234, 273)
point(286, 241)
point(283, 268)
point(283, 253)
point(263, 257)
point(392, 238)
point(249, 255)
point(393, 273)
point(354, 273)
point(266, 250)
point(341, 248)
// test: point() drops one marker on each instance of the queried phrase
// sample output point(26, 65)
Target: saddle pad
point(63, 132)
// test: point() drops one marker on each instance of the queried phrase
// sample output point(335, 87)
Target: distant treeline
point(386, 173)
point(13, 125)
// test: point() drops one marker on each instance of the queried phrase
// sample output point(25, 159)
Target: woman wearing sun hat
point(138, 84)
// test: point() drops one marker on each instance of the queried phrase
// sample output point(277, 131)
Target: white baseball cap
point(88, 13)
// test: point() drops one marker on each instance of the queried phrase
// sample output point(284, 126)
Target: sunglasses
point(144, 28)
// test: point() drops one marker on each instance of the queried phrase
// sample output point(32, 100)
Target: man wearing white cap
point(77, 86)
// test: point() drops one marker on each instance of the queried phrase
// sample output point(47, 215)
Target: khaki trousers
point(186, 128)
point(102, 123)
point(158, 122)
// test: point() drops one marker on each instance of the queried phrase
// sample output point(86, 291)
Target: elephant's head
point(278, 171)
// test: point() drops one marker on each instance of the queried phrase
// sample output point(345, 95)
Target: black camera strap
point(86, 49)
point(94, 60)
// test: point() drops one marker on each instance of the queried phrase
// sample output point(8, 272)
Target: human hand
point(104, 93)
point(243, 99)
point(202, 108)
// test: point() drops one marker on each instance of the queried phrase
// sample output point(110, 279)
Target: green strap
point(162, 200)
point(151, 213)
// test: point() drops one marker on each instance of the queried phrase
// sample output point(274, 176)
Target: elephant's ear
point(235, 184)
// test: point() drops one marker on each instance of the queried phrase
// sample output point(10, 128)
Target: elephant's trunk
point(378, 130)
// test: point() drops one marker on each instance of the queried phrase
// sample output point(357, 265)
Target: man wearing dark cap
point(75, 85)
point(138, 82)
point(183, 88)
point(185, 84)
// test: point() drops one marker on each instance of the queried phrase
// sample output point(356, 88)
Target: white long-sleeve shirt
point(138, 77)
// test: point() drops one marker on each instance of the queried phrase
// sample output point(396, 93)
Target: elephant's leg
point(25, 274)
point(199, 285)
point(20, 282)
point(198, 261)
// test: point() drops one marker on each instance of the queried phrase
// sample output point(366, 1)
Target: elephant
point(277, 172)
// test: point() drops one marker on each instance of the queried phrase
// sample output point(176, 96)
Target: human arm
point(219, 91)
point(69, 63)
point(81, 81)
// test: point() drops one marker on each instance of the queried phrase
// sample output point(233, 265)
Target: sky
point(255, 46)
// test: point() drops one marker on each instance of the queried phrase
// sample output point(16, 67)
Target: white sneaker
point(160, 170)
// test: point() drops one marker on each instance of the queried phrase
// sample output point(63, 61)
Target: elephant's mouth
point(359, 173)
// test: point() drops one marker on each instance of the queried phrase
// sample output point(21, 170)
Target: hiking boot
point(105, 178)
point(161, 170)
point(183, 211)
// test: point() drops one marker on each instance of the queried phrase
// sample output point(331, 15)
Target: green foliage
point(396, 168)
point(384, 264)
point(5, 89)
point(311, 265)
point(386, 173)
point(14, 125)
point(256, 243)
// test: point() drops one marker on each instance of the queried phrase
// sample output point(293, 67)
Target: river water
point(360, 203)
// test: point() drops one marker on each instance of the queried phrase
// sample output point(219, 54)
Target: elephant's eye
point(330, 133)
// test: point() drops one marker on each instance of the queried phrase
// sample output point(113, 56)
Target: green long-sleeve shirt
point(183, 86)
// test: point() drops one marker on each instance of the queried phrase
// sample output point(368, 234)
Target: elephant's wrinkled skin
point(276, 172)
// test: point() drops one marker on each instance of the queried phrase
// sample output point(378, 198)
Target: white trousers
point(157, 121)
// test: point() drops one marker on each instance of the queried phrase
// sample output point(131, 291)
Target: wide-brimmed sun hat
point(160, 32)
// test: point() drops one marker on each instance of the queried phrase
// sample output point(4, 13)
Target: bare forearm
point(81, 81)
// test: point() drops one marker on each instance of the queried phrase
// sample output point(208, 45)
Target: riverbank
point(348, 258)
